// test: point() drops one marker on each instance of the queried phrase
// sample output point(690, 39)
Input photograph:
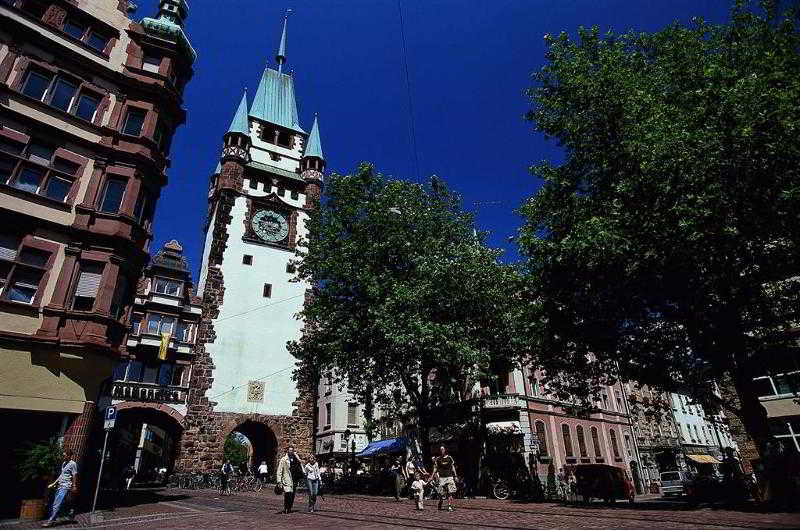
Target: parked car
point(605, 482)
point(673, 482)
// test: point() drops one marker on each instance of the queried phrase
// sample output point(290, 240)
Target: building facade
point(339, 422)
point(90, 101)
point(656, 434)
point(568, 436)
point(150, 385)
point(268, 178)
point(704, 437)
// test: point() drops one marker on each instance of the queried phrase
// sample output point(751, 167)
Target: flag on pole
point(162, 351)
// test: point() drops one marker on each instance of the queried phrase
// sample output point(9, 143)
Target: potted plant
point(37, 464)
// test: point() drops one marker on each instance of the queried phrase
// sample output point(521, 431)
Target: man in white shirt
point(263, 471)
point(67, 487)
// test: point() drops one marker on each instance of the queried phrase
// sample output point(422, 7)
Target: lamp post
point(347, 434)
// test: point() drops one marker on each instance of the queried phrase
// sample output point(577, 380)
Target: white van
point(672, 482)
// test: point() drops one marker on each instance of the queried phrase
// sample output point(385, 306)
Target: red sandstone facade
point(90, 100)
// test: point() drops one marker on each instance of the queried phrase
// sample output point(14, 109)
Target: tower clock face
point(270, 226)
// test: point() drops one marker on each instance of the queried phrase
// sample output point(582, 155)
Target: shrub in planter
point(37, 466)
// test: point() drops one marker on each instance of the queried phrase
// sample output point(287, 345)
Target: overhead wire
point(412, 129)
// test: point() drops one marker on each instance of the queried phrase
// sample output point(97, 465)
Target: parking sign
point(111, 418)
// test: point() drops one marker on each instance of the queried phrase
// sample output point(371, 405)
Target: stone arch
point(265, 435)
point(131, 417)
point(166, 409)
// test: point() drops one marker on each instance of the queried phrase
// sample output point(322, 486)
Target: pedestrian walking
point(399, 475)
point(67, 483)
point(287, 473)
point(226, 472)
point(418, 489)
point(313, 478)
point(445, 469)
point(263, 472)
point(130, 474)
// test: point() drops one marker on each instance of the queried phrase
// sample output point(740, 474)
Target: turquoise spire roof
point(274, 101)
point(314, 145)
point(281, 57)
point(239, 123)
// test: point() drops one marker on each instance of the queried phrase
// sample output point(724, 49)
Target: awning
point(392, 445)
point(703, 459)
point(504, 427)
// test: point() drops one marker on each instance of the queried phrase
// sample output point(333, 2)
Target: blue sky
point(469, 62)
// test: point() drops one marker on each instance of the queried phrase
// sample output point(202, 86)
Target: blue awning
point(392, 445)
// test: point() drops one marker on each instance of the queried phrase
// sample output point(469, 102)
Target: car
point(603, 481)
point(673, 482)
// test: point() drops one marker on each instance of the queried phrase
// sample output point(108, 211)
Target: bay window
point(113, 193)
point(87, 286)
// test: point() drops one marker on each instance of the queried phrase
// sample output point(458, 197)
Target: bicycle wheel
point(501, 491)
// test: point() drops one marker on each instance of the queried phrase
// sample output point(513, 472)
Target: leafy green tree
point(663, 247)
point(235, 450)
point(409, 308)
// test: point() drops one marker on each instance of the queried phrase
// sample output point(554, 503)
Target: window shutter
point(8, 247)
point(89, 282)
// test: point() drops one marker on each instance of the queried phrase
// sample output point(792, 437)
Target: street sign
point(111, 418)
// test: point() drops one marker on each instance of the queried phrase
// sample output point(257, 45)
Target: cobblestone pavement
point(176, 509)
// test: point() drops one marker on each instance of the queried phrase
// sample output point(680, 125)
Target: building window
point(63, 94)
point(268, 135)
point(618, 397)
point(88, 284)
point(168, 287)
point(295, 195)
point(284, 139)
point(74, 29)
point(162, 136)
point(151, 63)
point(290, 268)
point(328, 384)
point(614, 447)
point(267, 290)
point(119, 298)
point(177, 375)
point(567, 440)
point(275, 157)
point(252, 184)
point(113, 193)
point(352, 414)
point(541, 435)
point(87, 106)
point(247, 259)
point(121, 370)
point(139, 208)
point(134, 120)
point(628, 445)
point(327, 415)
point(136, 324)
point(97, 41)
point(604, 397)
point(281, 191)
point(596, 443)
point(35, 8)
point(581, 441)
point(158, 324)
point(21, 270)
point(183, 331)
point(36, 84)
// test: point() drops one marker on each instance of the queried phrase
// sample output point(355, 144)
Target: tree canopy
point(409, 307)
point(663, 248)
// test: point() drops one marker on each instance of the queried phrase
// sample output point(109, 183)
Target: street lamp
point(347, 434)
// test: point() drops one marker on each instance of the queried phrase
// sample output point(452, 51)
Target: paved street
point(204, 509)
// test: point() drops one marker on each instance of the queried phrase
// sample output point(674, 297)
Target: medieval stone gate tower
point(269, 176)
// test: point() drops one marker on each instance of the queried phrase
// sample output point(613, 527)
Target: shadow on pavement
point(135, 497)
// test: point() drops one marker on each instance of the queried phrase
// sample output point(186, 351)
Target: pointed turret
point(239, 123)
point(313, 164)
point(281, 57)
point(313, 157)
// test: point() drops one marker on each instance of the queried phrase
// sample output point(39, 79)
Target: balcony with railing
point(148, 392)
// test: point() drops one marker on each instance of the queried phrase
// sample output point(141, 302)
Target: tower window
point(267, 290)
point(290, 268)
point(295, 195)
point(247, 259)
point(253, 184)
point(281, 191)
point(284, 139)
point(274, 157)
point(268, 135)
